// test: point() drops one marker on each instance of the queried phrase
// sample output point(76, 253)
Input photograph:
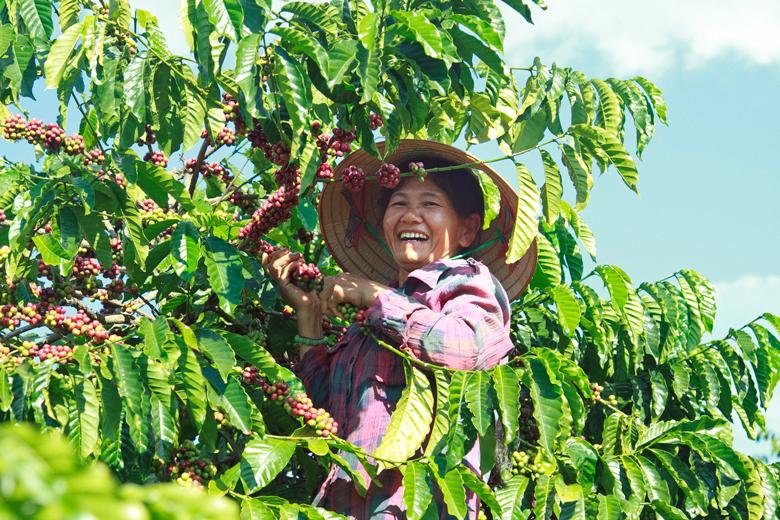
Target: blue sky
point(709, 182)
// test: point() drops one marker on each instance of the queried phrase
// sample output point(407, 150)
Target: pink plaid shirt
point(451, 313)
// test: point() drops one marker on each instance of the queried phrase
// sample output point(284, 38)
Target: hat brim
point(351, 223)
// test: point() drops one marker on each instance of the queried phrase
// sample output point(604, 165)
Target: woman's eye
point(430, 203)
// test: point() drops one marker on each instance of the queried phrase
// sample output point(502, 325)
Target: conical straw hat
point(351, 223)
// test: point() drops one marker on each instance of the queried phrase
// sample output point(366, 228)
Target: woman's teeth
point(412, 236)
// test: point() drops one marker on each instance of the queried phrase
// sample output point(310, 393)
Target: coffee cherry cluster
point(55, 135)
point(46, 351)
point(278, 153)
point(149, 136)
point(74, 144)
point(85, 266)
point(597, 390)
point(389, 175)
point(151, 213)
point(324, 171)
point(81, 324)
point(275, 209)
point(308, 277)
point(226, 137)
point(246, 202)
point(2, 216)
point(528, 428)
point(34, 131)
point(14, 128)
point(230, 107)
point(156, 158)
point(188, 469)
point(11, 316)
point(94, 156)
point(375, 121)
point(354, 179)
point(300, 405)
point(417, 168)
point(338, 144)
point(521, 466)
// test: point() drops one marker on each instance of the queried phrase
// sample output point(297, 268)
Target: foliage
point(138, 322)
point(44, 478)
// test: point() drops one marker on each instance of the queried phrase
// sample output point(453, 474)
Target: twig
point(20, 330)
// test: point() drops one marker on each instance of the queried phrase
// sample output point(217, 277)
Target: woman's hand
point(280, 265)
point(348, 288)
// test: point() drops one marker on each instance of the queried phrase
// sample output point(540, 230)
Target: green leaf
point(411, 420)
point(481, 489)
point(441, 422)
point(194, 116)
point(220, 17)
point(135, 87)
point(609, 507)
point(568, 308)
point(548, 403)
point(667, 512)
point(656, 97)
point(340, 59)
point(548, 265)
point(156, 336)
point(491, 196)
point(246, 57)
point(552, 190)
point(479, 401)
point(57, 60)
point(194, 384)
point(37, 18)
point(507, 388)
point(159, 183)
point(544, 493)
point(68, 13)
point(185, 248)
point(129, 382)
point(530, 131)
point(369, 30)
point(451, 486)
point(234, 401)
point(424, 32)
point(89, 418)
point(579, 173)
point(218, 350)
point(615, 151)
point(525, 229)
point(294, 89)
point(417, 490)
point(262, 460)
point(510, 497)
point(616, 285)
point(609, 105)
point(253, 509)
point(225, 272)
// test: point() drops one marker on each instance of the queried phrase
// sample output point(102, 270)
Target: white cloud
point(741, 300)
point(646, 37)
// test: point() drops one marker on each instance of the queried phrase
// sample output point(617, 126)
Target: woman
point(403, 254)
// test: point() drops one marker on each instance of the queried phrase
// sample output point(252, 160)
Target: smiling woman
point(418, 262)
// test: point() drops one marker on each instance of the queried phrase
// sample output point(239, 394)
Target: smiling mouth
point(412, 237)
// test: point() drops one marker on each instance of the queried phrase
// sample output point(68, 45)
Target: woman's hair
point(461, 187)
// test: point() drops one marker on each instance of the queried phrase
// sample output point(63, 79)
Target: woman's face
point(421, 226)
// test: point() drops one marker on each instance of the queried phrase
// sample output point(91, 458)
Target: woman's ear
point(469, 230)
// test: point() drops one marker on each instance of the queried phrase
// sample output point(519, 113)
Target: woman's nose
point(410, 215)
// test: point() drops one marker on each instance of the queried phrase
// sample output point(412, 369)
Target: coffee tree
point(137, 321)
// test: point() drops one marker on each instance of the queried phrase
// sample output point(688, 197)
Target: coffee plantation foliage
point(137, 322)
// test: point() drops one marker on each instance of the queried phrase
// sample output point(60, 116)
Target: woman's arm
point(465, 324)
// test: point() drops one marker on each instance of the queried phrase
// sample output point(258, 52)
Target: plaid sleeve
point(314, 371)
point(464, 323)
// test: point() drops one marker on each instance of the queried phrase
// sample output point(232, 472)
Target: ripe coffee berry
point(226, 137)
point(34, 131)
point(156, 158)
point(94, 156)
point(229, 106)
point(375, 121)
point(54, 137)
point(325, 171)
point(354, 179)
point(74, 144)
point(388, 175)
point(308, 277)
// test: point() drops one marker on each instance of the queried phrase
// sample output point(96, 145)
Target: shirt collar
point(430, 274)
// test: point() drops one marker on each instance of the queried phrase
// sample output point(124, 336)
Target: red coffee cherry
point(354, 179)
point(389, 175)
